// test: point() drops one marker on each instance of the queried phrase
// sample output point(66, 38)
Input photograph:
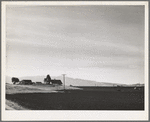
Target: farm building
point(48, 80)
point(38, 83)
point(25, 82)
point(57, 82)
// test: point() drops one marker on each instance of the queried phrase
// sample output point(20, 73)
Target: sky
point(104, 43)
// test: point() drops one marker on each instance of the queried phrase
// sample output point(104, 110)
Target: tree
point(15, 80)
point(47, 80)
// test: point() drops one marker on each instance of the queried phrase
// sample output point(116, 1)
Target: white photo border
point(25, 115)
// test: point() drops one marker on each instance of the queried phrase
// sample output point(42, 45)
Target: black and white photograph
point(82, 59)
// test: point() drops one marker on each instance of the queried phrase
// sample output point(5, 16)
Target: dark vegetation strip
point(80, 100)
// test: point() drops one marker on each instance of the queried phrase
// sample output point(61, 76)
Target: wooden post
point(64, 80)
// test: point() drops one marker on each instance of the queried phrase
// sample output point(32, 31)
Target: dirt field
point(13, 106)
point(81, 100)
point(15, 89)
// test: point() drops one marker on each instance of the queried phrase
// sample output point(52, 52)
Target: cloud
point(94, 56)
point(90, 37)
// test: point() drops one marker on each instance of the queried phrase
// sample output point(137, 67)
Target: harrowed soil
point(81, 100)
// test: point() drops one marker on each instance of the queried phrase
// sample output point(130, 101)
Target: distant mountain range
point(70, 81)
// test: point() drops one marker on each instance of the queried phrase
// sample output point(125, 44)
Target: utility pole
point(64, 80)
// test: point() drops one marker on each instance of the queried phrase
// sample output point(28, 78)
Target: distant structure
point(39, 83)
point(56, 82)
point(25, 82)
point(15, 80)
point(48, 80)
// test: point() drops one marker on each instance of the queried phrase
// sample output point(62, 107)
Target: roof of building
point(26, 80)
point(56, 81)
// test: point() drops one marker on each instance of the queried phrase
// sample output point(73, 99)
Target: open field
point(113, 89)
point(13, 89)
point(82, 99)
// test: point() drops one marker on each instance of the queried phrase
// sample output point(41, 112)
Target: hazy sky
point(101, 43)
